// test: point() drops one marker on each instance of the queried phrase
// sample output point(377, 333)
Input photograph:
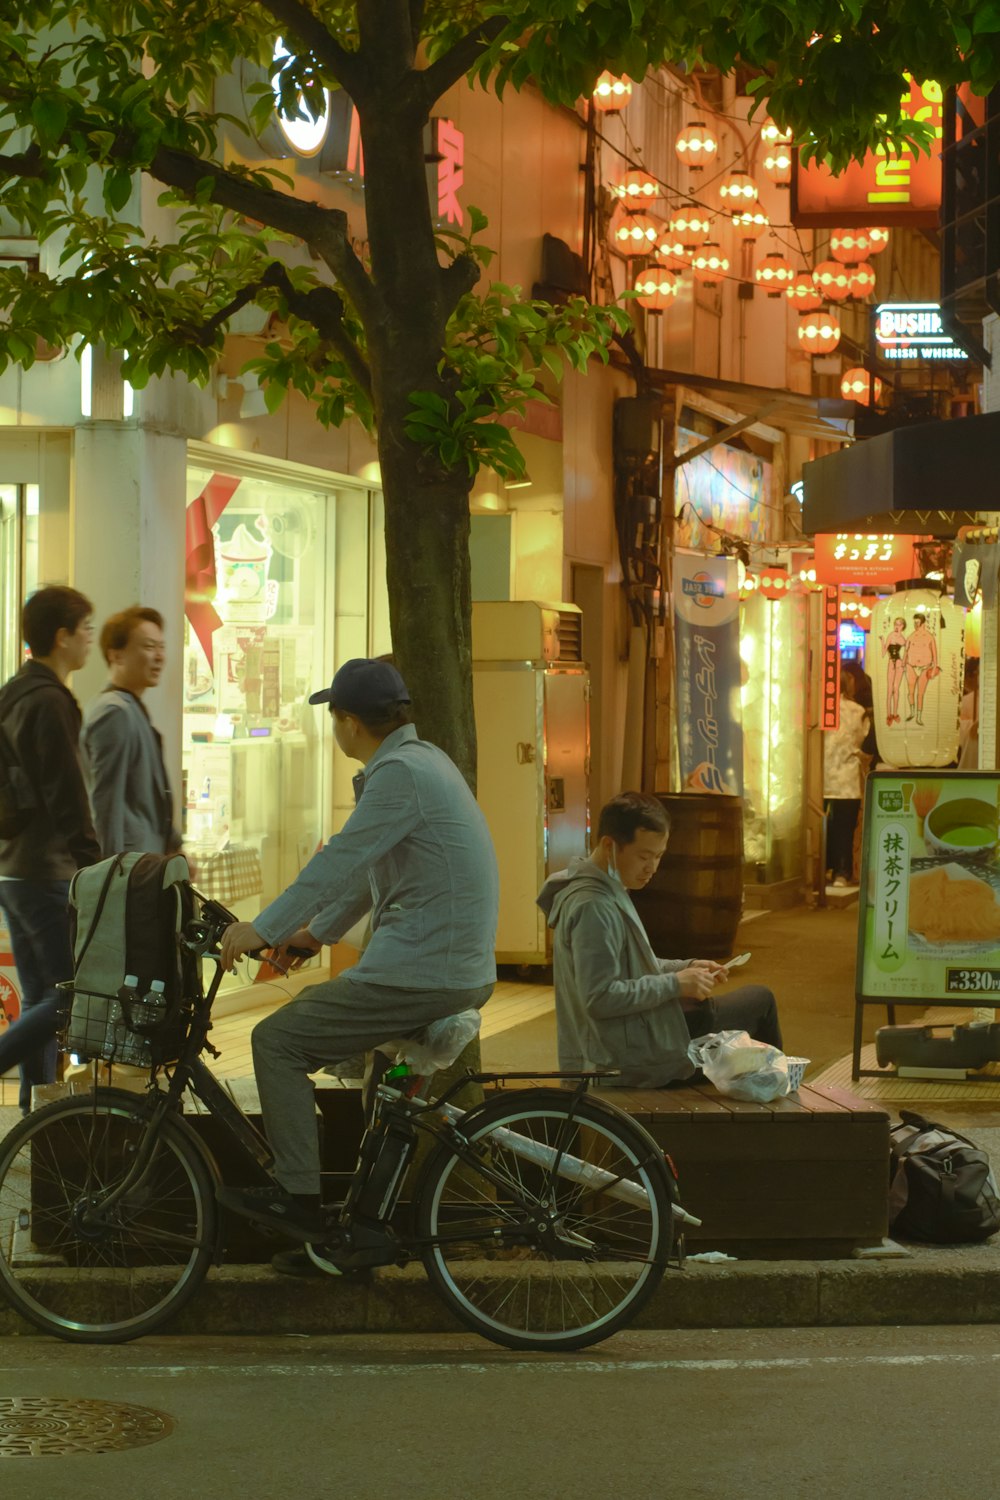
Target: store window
point(278, 587)
point(18, 568)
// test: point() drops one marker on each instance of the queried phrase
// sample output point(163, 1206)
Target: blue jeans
point(37, 913)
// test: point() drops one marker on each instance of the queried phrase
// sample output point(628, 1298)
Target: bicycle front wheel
point(89, 1274)
point(560, 1235)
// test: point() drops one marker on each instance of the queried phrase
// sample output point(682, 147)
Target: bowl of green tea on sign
point(964, 826)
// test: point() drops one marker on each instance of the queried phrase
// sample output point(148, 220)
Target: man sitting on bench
point(619, 1008)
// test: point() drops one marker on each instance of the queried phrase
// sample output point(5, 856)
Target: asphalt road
point(891, 1414)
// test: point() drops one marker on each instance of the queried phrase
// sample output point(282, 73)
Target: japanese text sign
point(852, 557)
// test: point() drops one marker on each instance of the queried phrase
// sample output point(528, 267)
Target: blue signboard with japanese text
point(707, 653)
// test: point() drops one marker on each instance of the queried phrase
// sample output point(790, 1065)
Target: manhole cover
point(41, 1426)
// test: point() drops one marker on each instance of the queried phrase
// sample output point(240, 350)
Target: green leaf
point(49, 115)
point(117, 188)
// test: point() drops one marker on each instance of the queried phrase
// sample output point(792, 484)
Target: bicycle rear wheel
point(102, 1277)
point(534, 1260)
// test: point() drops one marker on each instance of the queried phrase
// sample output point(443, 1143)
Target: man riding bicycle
point(416, 853)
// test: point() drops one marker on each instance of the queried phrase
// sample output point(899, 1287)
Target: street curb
point(948, 1288)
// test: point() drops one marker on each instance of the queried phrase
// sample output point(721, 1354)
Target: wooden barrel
point(692, 905)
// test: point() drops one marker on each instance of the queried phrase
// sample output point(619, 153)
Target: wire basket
point(122, 1028)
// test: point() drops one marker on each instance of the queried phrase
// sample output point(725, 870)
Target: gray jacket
point(126, 778)
point(417, 853)
point(617, 1004)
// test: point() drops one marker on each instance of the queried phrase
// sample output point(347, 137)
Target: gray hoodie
point(617, 1004)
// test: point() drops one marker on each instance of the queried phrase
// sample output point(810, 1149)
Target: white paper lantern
point(915, 660)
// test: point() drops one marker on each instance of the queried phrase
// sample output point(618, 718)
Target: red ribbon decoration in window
point(199, 568)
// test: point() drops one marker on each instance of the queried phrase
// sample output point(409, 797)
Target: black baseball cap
point(364, 686)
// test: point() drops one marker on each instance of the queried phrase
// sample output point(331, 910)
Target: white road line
point(542, 1364)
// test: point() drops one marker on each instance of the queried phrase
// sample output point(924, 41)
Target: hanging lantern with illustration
point(611, 93)
point(819, 332)
point(690, 227)
point(750, 223)
point(856, 385)
point(636, 189)
point(710, 264)
point(862, 281)
point(850, 245)
point(832, 280)
point(696, 146)
point(801, 292)
point(774, 273)
point(656, 288)
point(737, 189)
point(878, 240)
point(915, 661)
point(635, 234)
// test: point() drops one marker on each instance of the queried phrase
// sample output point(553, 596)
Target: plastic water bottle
point(147, 1014)
point(116, 1036)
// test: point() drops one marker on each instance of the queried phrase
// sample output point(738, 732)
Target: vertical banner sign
point(830, 712)
point(707, 626)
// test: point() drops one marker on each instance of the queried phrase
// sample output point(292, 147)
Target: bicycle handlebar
point(202, 936)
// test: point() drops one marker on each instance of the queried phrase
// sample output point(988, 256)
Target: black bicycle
point(544, 1217)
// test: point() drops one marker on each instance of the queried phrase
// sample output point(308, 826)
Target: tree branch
point(345, 66)
point(323, 307)
point(458, 278)
point(459, 60)
point(323, 229)
point(28, 163)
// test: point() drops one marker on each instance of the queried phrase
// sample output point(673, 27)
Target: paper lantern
point(819, 332)
point(696, 145)
point(778, 164)
point(878, 241)
point(750, 223)
point(856, 385)
point(738, 189)
point(915, 662)
point(657, 288)
point(690, 228)
point(710, 264)
point(637, 188)
point(774, 273)
point(862, 281)
point(833, 280)
point(850, 245)
point(801, 291)
point(611, 93)
point(635, 234)
point(670, 251)
point(774, 583)
point(775, 135)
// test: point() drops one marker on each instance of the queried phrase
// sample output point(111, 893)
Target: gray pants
point(326, 1024)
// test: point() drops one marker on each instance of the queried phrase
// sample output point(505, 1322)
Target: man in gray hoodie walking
point(619, 1008)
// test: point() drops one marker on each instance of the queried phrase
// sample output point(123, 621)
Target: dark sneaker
point(311, 1260)
point(274, 1206)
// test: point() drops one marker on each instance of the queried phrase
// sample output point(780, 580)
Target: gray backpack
point(129, 912)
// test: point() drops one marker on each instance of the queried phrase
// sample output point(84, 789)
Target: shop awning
point(820, 418)
point(910, 480)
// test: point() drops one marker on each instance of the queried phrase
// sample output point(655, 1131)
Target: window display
point(773, 652)
point(265, 561)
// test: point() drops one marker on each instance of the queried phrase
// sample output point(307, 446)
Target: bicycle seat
point(437, 1045)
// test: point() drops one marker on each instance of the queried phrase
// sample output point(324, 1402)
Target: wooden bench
point(803, 1177)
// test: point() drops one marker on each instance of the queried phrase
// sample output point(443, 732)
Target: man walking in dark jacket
point(41, 720)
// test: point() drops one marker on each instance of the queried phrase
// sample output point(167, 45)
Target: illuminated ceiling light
point(878, 240)
point(774, 273)
point(690, 228)
point(856, 385)
point(778, 164)
point(611, 93)
point(819, 332)
point(862, 281)
point(850, 245)
point(801, 291)
point(656, 289)
point(832, 280)
point(750, 223)
point(738, 189)
point(696, 145)
point(635, 234)
point(710, 264)
point(637, 188)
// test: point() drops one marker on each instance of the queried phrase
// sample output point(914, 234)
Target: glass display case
point(774, 655)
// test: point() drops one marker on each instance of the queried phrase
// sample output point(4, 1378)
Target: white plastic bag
point(741, 1067)
point(438, 1045)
